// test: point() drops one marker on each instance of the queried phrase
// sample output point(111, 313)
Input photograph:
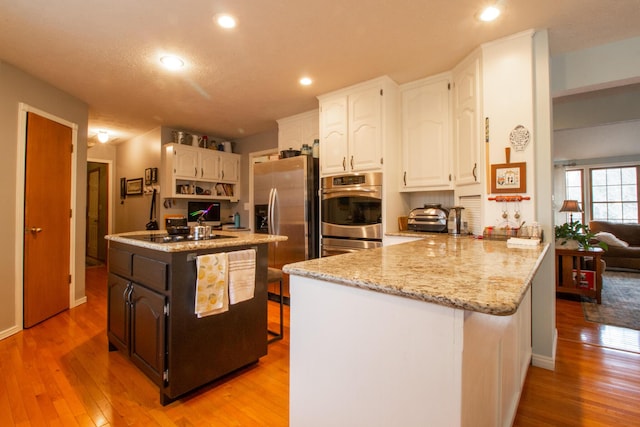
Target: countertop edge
point(240, 238)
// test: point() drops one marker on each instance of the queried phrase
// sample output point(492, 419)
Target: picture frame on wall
point(123, 188)
point(147, 176)
point(134, 187)
point(509, 178)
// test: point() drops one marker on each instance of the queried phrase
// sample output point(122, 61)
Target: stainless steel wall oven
point(351, 212)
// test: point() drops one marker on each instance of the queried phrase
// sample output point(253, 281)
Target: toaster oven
point(430, 218)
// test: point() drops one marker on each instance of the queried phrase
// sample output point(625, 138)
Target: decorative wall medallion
point(519, 138)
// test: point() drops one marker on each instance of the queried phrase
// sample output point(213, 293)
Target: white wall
point(17, 86)
point(603, 66)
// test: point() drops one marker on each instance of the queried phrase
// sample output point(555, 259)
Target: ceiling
point(237, 82)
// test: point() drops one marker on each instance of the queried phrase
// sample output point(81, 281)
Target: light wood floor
point(60, 373)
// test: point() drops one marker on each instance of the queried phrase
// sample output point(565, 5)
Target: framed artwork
point(509, 178)
point(123, 188)
point(150, 176)
point(134, 187)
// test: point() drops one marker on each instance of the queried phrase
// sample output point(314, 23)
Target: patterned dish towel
point(211, 284)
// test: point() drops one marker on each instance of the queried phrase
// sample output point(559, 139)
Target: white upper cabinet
point(199, 173)
point(466, 107)
point(425, 127)
point(296, 130)
point(351, 128)
point(229, 167)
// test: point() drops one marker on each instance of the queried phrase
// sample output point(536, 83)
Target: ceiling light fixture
point(172, 62)
point(490, 13)
point(225, 21)
point(306, 81)
point(103, 136)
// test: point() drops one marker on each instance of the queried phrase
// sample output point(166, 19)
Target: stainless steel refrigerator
point(286, 203)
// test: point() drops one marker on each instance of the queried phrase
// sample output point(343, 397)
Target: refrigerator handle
point(276, 214)
point(270, 213)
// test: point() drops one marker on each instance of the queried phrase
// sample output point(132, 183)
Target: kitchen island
point(152, 302)
point(431, 332)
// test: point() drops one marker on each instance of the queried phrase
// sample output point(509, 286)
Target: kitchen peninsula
point(151, 309)
point(431, 332)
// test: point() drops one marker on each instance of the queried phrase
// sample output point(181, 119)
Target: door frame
point(111, 185)
point(21, 155)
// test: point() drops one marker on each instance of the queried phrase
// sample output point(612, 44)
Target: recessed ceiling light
point(489, 13)
point(172, 62)
point(306, 81)
point(225, 20)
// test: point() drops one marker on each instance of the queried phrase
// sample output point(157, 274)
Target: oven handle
point(341, 190)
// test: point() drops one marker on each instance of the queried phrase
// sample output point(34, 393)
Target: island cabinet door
point(118, 313)
point(148, 325)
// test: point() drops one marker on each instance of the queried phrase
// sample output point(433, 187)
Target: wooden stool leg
point(278, 336)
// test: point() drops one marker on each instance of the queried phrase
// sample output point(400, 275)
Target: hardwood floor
point(60, 373)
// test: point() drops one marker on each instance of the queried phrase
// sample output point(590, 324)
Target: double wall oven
point(351, 213)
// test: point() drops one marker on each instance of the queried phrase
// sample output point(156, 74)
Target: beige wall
point(18, 87)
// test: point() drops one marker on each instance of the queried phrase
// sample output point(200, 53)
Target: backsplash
point(444, 198)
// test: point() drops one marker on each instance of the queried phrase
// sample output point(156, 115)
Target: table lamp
point(570, 206)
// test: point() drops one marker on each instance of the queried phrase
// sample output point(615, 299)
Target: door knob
point(34, 230)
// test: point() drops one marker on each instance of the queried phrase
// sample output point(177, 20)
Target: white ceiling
point(237, 83)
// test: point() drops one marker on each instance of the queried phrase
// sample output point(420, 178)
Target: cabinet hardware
point(449, 177)
point(351, 162)
point(344, 164)
point(166, 309)
point(475, 172)
point(404, 178)
point(195, 171)
point(165, 375)
point(222, 174)
point(201, 172)
point(381, 92)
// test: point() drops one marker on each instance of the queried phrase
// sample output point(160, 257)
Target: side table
point(572, 275)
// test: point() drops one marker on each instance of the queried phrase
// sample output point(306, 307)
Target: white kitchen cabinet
point(466, 129)
point(296, 130)
point(425, 128)
point(191, 172)
point(352, 123)
point(229, 167)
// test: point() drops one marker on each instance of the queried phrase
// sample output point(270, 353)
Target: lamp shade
point(570, 206)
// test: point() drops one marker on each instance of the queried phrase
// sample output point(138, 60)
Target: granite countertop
point(464, 272)
point(239, 238)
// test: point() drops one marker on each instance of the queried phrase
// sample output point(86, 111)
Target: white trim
point(112, 186)
point(23, 109)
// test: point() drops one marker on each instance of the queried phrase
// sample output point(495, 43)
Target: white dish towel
point(211, 284)
point(242, 275)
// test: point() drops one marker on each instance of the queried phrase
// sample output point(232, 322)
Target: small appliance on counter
point(431, 218)
point(457, 226)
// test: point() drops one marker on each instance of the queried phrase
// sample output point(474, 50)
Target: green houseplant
point(574, 235)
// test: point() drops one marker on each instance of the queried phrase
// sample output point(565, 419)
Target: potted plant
point(574, 235)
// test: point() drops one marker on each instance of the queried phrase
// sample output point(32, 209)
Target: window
point(614, 194)
point(573, 191)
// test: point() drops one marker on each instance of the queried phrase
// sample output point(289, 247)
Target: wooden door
point(47, 219)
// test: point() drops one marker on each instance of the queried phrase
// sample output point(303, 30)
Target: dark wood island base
point(151, 318)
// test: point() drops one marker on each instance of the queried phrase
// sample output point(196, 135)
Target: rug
point(620, 301)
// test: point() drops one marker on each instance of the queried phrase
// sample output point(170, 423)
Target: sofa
point(623, 241)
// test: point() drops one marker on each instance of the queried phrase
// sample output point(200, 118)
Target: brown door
point(47, 219)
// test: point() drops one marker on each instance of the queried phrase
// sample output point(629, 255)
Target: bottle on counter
point(236, 220)
point(315, 150)
point(305, 150)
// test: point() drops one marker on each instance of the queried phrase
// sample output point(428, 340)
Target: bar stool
point(275, 275)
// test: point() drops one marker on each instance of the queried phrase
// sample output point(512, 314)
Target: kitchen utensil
point(181, 137)
point(152, 224)
point(455, 223)
point(200, 232)
point(285, 154)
